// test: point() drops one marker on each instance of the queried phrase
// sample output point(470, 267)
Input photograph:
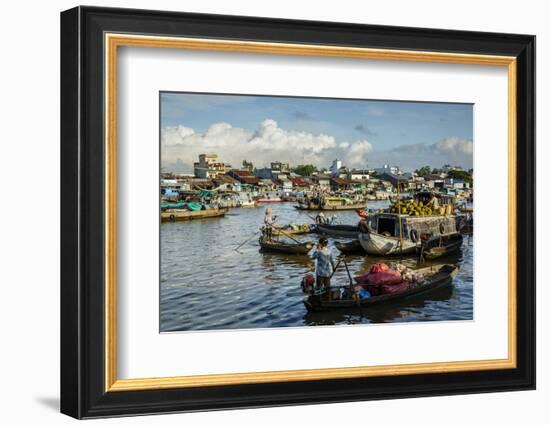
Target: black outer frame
point(82, 207)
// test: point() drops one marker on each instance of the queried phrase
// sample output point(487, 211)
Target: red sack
point(380, 278)
point(396, 288)
point(384, 278)
point(362, 280)
point(379, 267)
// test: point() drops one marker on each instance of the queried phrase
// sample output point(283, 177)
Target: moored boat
point(338, 230)
point(436, 278)
point(353, 247)
point(284, 247)
point(441, 246)
point(269, 198)
point(385, 233)
point(184, 215)
point(331, 203)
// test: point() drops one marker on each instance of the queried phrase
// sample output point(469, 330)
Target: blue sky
point(409, 134)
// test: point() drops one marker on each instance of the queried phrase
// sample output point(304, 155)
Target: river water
point(206, 284)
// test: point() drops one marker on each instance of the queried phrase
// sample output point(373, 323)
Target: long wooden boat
point(441, 246)
point(285, 247)
point(184, 215)
point(338, 230)
point(353, 247)
point(437, 278)
point(315, 207)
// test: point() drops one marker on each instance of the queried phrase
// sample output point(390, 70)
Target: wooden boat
point(343, 207)
point(437, 278)
point(386, 234)
point(184, 215)
point(302, 229)
point(440, 246)
point(353, 247)
point(285, 247)
point(338, 230)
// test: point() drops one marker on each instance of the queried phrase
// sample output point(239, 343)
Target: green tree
point(424, 171)
point(460, 175)
point(305, 169)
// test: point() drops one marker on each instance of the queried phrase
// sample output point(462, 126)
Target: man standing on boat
point(269, 220)
point(324, 264)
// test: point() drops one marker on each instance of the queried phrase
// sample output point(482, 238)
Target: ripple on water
point(206, 284)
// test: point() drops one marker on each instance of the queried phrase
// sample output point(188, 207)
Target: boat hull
point(443, 278)
point(289, 231)
point(338, 231)
point(353, 247)
point(331, 207)
point(185, 215)
point(285, 248)
point(380, 245)
point(448, 245)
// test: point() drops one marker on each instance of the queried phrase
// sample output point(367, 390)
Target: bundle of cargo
point(415, 207)
point(382, 279)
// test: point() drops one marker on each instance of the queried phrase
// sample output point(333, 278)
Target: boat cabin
point(388, 224)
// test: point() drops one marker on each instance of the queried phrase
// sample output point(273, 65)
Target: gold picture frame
point(91, 39)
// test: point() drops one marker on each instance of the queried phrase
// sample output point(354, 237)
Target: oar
point(254, 234)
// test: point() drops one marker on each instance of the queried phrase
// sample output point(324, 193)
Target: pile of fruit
point(411, 207)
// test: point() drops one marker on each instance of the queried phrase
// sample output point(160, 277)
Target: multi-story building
point(389, 169)
point(209, 166)
point(335, 167)
point(282, 167)
point(355, 174)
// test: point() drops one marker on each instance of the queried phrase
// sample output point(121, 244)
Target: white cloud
point(268, 143)
point(452, 150)
point(182, 145)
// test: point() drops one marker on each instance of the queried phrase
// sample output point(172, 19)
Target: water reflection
point(206, 284)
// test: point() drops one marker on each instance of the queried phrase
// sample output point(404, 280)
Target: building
point(264, 173)
point(340, 184)
point(209, 166)
point(355, 174)
point(227, 183)
point(243, 176)
point(322, 181)
point(335, 167)
point(389, 169)
point(282, 167)
point(394, 179)
point(285, 184)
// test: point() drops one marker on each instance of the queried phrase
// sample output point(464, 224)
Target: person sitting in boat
point(269, 220)
point(320, 219)
point(324, 264)
point(333, 219)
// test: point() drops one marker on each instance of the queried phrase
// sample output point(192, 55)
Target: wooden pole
point(254, 234)
point(400, 223)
